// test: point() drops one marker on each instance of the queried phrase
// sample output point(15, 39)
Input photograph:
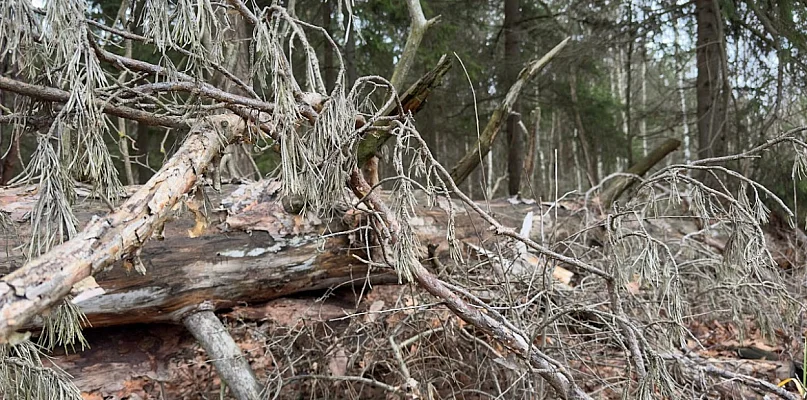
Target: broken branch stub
point(412, 101)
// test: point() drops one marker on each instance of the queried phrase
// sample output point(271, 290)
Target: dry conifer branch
point(61, 96)
point(131, 36)
point(553, 372)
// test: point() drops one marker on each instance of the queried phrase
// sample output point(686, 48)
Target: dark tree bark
point(8, 162)
point(515, 140)
point(710, 96)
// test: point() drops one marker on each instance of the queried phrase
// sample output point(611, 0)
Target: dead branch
point(412, 101)
point(223, 352)
point(622, 183)
point(61, 96)
point(696, 364)
point(552, 371)
point(189, 84)
point(471, 159)
point(418, 28)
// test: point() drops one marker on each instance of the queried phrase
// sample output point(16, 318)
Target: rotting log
point(623, 182)
point(249, 251)
point(252, 250)
point(44, 281)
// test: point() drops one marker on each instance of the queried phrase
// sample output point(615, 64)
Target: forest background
point(630, 79)
point(720, 81)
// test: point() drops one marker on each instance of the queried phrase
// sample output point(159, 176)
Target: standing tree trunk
point(533, 142)
point(628, 84)
point(236, 162)
point(586, 146)
point(679, 75)
point(515, 145)
point(643, 115)
point(328, 67)
point(711, 110)
point(350, 55)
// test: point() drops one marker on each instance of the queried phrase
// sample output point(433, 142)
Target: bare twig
point(61, 96)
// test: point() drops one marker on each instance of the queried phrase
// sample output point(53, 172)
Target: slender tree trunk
point(9, 140)
point(515, 141)
point(643, 116)
point(621, 90)
point(679, 74)
point(328, 66)
point(542, 155)
point(8, 161)
point(123, 125)
point(237, 161)
point(628, 83)
point(532, 148)
point(578, 178)
point(490, 178)
point(143, 140)
point(350, 56)
point(586, 145)
point(711, 111)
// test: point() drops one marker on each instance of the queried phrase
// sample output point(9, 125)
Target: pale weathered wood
point(44, 281)
point(224, 353)
point(281, 254)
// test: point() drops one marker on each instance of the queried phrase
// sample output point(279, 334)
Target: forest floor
point(303, 346)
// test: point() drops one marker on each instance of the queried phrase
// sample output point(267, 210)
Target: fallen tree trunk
point(252, 251)
point(623, 182)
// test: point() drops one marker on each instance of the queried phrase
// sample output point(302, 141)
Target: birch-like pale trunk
point(643, 116)
point(679, 74)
